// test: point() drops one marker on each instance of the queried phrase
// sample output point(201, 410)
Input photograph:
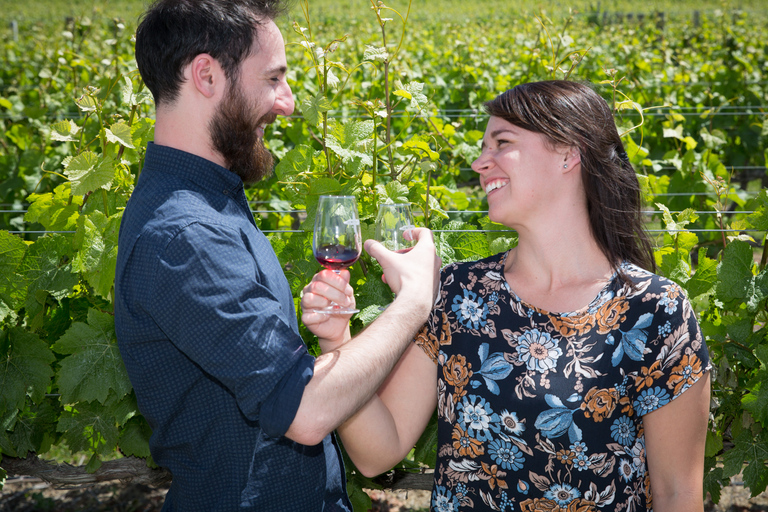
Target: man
point(240, 413)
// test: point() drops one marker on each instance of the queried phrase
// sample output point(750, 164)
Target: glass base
point(335, 309)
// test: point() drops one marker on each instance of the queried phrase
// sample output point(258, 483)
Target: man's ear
point(207, 75)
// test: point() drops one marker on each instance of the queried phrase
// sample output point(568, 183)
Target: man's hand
point(414, 275)
point(327, 286)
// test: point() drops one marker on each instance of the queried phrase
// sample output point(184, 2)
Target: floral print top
point(541, 411)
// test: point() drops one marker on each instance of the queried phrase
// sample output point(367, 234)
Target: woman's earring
point(565, 166)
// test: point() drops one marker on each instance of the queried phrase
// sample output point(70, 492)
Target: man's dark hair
point(172, 33)
point(570, 113)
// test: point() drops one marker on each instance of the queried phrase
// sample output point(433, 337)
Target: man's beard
point(234, 136)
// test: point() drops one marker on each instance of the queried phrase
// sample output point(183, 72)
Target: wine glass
point(336, 242)
point(393, 223)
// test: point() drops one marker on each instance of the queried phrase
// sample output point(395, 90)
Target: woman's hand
point(327, 286)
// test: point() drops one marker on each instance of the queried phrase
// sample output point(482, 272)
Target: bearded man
point(241, 414)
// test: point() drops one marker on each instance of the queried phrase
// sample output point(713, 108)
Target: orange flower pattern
point(541, 411)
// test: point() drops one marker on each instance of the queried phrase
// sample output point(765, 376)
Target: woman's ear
point(571, 158)
point(207, 75)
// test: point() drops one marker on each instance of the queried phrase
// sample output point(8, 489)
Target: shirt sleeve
point(675, 355)
point(437, 330)
point(215, 303)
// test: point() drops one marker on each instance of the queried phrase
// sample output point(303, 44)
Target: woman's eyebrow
point(496, 133)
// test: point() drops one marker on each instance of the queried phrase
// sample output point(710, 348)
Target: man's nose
point(284, 104)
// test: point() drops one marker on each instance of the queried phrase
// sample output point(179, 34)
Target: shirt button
point(226, 192)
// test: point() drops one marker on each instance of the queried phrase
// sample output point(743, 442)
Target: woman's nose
point(481, 164)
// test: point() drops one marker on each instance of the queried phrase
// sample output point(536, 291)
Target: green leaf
point(759, 218)
point(704, 278)
point(324, 186)
point(713, 140)
point(467, 244)
point(368, 314)
point(87, 103)
point(293, 169)
point(418, 148)
point(13, 286)
point(25, 368)
point(88, 427)
point(312, 107)
point(142, 131)
point(674, 265)
point(120, 133)
point(425, 451)
point(736, 283)
point(47, 268)
point(65, 130)
point(375, 54)
point(96, 245)
point(93, 365)
point(412, 92)
point(713, 479)
point(88, 172)
point(57, 211)
point(351, 140)
point(392, 192)
point(134, 437)
point(33, 428)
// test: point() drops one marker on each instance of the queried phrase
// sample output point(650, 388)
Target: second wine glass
point(393, 228)
point(336, 241)
point(393, 225)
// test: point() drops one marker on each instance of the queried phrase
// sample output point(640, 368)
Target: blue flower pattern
point(550, 398)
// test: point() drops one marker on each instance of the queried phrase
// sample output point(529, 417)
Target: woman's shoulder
point(647, 281)
point(493, 263)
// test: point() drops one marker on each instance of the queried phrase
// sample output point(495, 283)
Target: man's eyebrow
point(279, 70)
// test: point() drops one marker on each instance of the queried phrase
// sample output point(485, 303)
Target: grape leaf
point(736, 283)
point(120, 133)
point(350, 140)
point(467, 242)
point(12, 285)
point(751, 450)
point(47, 268)
point(88, 427)
point(96, 245)
point(93, 365)
point(705, 277)
point(142, 131)
point(313, 106)
point(134, 437)
point(25, 368)
point(65, 130)
point(88, 172)
point(33, 428)
point(57, 211)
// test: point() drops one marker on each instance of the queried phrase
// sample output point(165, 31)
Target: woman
point(569, 377)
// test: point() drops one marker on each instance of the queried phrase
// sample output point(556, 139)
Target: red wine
point(335, 256)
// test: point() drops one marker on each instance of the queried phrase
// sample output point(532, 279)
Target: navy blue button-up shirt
point(207, 329)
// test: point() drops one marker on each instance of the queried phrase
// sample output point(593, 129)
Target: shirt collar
point(191, 167)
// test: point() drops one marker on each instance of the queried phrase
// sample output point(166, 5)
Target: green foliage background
point(390, 110)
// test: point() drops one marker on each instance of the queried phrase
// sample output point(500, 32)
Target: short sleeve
point(212, 300)
point(674, 354)
point(437, 331)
